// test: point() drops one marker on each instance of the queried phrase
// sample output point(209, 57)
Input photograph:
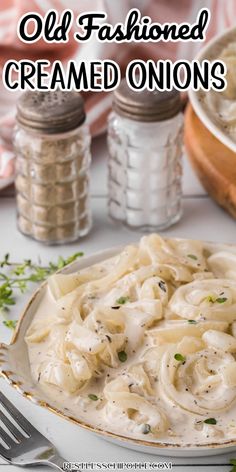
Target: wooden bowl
point(214, 163)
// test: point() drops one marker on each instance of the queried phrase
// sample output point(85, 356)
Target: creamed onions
point(222, 106)
point(144, 344)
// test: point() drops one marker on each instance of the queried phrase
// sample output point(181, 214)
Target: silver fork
point(28, 448)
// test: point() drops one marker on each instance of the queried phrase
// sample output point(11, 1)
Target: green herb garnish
point(233, 463)
point(64, 262)
point(221, 300)
point(93, 397)
point(211, 299)
point(146, 428)
point(5, 261)
point(122, 356)
point(11, 324)
point(192, 321)
point(178, 357)
point(122, 300)
point(192, 256)
point(6, 295)
point(210, 421)
point(18, 276)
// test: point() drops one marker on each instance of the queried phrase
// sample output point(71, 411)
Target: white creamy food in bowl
point(217, 109)
point(222, 105)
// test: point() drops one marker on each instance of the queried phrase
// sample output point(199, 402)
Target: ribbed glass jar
point(52, 183)
point(145, 169)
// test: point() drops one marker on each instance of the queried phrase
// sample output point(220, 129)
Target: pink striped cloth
point(223, 15)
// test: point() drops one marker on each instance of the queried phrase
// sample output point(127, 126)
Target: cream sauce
point(181, 423)
point(222, 105)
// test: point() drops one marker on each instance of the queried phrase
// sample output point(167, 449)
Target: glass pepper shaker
point(145, 149)
point(52, 144)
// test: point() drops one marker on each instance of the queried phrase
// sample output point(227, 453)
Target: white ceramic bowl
point(15, 368)
point(211, 52)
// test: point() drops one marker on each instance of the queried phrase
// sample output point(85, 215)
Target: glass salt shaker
point(145, 150)
point(52, 144)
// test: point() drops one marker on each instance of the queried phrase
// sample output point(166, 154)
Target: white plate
point(211, 52)
point(15, 368)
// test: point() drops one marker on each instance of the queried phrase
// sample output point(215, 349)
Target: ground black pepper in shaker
point(52, 144)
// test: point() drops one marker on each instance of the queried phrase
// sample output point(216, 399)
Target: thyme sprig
point(16, 276)
point(233, 463)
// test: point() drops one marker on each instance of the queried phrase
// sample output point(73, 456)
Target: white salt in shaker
point(145, 150)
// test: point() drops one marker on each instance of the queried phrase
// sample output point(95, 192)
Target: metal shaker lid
point(144, 105)
point(51, 112)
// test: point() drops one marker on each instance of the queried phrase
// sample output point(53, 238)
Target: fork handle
point(57, 462)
